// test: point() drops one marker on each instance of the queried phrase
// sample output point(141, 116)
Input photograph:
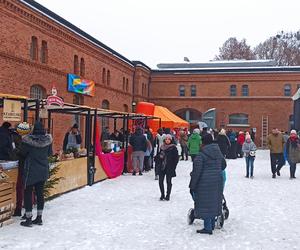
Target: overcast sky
point(156, 31)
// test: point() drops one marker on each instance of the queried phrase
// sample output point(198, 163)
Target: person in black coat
point(223, 142)
point(166, 161)
point(72, 138)
point(35, 148)
point(206, 185)
point(5, 141)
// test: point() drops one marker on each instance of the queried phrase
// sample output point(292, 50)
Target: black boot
point(26, 223)
point(162, 197)
point(204, 231)
point(38, 220)
point(169, 188)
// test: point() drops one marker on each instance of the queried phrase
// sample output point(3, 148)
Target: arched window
point(127, 85)
point(193, 90)
point(44, 52)
point(103, 75)
point(232, 90)
point(143, 88)
point(76, 65)
point(34, 48)
point(124, 88)
point(105, 104)
point(108, 77)
point(287, 90)
point(82, 67)
point(37, 92)
point(125, 107)
point(181, 90)
point(245, 90)
point(238, 119)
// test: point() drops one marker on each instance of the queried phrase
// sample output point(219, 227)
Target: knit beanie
point(293, 131)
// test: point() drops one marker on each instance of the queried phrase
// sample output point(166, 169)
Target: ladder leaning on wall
point(264, 130)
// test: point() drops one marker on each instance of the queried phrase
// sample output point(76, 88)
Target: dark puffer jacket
point(206, 181)
point(36, 149)
point(138, 141)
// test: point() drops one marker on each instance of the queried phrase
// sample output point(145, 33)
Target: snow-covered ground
point(125, 213)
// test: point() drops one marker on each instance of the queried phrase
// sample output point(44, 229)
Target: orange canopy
point(168, 119)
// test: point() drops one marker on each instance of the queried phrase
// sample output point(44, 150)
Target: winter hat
point(168, 136)
point(248, 137)
point(207, 139)
point(23, 128)
point(222, 132)
point(196, 131)
point(38, 129)
point(293, 131)
point(241, 132)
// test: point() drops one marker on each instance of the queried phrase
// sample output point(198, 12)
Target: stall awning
point(168, 119)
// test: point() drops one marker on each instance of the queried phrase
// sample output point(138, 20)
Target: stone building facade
point(39, 49)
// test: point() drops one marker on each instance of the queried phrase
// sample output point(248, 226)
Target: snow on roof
point(218, 64)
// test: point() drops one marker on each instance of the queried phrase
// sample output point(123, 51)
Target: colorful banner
point(80, 86)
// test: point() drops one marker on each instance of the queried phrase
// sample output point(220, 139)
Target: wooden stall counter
point(73, 173)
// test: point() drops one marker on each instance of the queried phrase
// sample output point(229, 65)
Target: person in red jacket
point(240, 142)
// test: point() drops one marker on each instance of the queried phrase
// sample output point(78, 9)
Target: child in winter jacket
point(249, 149)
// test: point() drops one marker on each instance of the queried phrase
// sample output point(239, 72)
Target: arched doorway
point(189, 114)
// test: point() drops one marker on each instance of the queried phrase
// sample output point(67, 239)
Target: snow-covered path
point(126, 213)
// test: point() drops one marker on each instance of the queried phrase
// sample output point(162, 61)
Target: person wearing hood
point(223, 142)
point(35, 148)
point(249, 149)
point(292, 145)
point(5, 142)
point(139, 147)
point(206, 185)
point(167, 160)
point(194, 143)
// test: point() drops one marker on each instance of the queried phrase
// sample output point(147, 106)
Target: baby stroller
point(219, 221)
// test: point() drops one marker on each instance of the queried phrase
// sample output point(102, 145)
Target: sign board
point(12, 111)
point(54, 99)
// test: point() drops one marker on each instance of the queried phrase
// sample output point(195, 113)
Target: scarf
point(166, 147)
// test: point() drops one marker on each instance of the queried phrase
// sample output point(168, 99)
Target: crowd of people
point(207, 149)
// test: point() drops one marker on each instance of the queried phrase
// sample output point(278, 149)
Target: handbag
point(252, 153)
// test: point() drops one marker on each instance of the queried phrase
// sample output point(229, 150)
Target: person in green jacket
point(194, 143)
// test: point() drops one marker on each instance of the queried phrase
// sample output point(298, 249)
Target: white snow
point(125, 213)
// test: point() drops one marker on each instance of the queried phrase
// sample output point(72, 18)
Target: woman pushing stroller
point(206, 185)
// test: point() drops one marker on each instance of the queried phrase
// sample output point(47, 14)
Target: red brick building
point(39, 48)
